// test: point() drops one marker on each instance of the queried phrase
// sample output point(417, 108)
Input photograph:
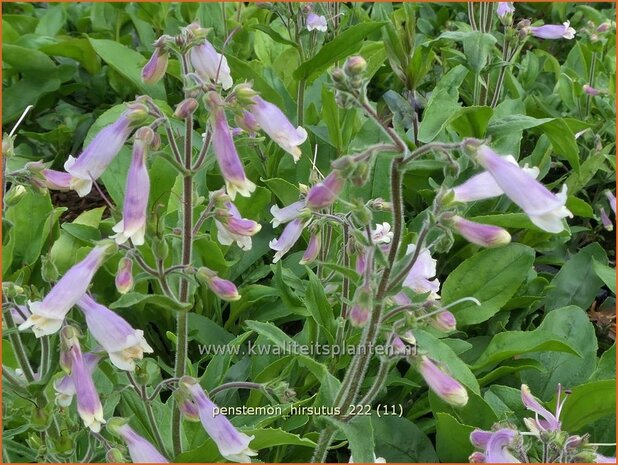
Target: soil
point(77, 205)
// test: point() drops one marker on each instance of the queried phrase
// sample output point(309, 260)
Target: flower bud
point(338, 75)
point(477, 457)
point(313, 248)
point(114, 456)
point(484, 235)
point(361, 309)
point(124, 276)
point(444, 321)
point(137, 112)
point(245, 94)
point(224, 289)
point(186, 108)
point(14, 195)
point(326, 192)
point(155, 68)
point(605, 221)
point(443, 385)
point(49, 272)
point(355, 66)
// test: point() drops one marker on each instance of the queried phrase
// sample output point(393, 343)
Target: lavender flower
point(382, 234)
point(232, 444)
point(589, 90)
point(140, 450)
point(324, 193)
point(291, 234)
point(231, 226)
point(286, 214)
point(155, 68)
point(65, 387)
point(123, 343)
point(505, 8)
point(56, 180)
point(47, 316)
point(124, 275)
point(313, 248)
point(211, 65)
point(316, 23)
point(224, 289)
point(419, 276)
point(603, 459)
point(544, 209)
point(612, 200)
point(550, 421)
point(605, 221)
point(133, 223)
point(554, 31)
point(444, 321)
point(227, 157)
point(445, 386)
point(484, 235)
point(274, 123)
point(247, 123)
point(497, 447)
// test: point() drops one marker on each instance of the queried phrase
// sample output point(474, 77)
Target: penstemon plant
point(359, 272)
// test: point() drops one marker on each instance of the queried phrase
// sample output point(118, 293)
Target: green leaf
point(345, 44)
point(606, 368)
point(134, 298)
point(606, 273)
point(477, 48)
point(78, 49)
point(318, 305)
point(588, 403)
point(492, 276)
point(359, 433)
point(563, 141)
point(452, 439)
point(128, 63)
point(399, 440)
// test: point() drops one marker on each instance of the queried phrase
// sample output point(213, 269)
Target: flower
point(274, 123)
point(286, 214)
point(97, 156)
point(123, 343)
point(445, 386)
point(56, 180)
point(444, 321)
point(227, 157)
point(612, 200)
point(382, 234)
point(480, 438)
point(589, 90)
point(497, 447)
point(291, 233)
point(247, 123)
point(544, 209)
point(124, 275)
point(155, 68)
point(230, 225)
point(137, 188)
point(140, 450)
point(65, 387)
point(224, 289)
point(313, 248)
point(554, 31)
point(505, 8)
point(232, 444)
point(603, 459)
point(607, 223)
point(483, 186)
point(211, 65)
point(324, 193)
point(316, 23)
point(47, 316)
point(550, 421)
point(419, 276)
point(477, 457)
point(484, 235)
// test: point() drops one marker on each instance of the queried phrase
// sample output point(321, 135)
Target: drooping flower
point(545, 210)
point(124, 275)
point(605, 221)
point(479, 438)
point(443, 385)
point(484, 235)
point(497, 447)
point(444, 321)
point(224, 289)
point(316, 23)
point(324, 193)
point(232, 444)
point(155, 68)
point(56, 180)
point(65, 387)
point(231, 226)
point(123, 343)
point(140, 450)
point(227, 157)
point(505, 8)
point(483, 186)
point(47, 316)
point(420, 276)
point(549, 422)
point(612, 200)
point(313, 248)
point(290, 235)
point(97, 156)
point(134, 213)
point(554, 31)
point(274, 123)
point(186, 108)
point(210, 65)
point(286, 214)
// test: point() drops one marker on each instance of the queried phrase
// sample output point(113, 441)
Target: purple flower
point(137, 188)
point(445, 386)
point(544, 209)
point(313, 248)
point(554, 31)
point(65, 387)
point(484, 235)
point(247, 123)
point(477, 457)
point(548, 423)
point(286, 214)
point(612, 200)
point(505, 8)
point(607, 223)
point(603, 459)
point(124, 275)
point(324, 193)
point(47, 316)
point(359, 315)
point(419, 276)
point(56, 180)
point(211, 65)
point(497, 447)
point(97, 156)
point(155, 68)
point(589, 90)
point(232, 444)
point(291, 233)
point(231, 226)
point(224, 289)
point(274, 123)
point(227, 157)
point(480, 438)
point(316, 23)
point(123, 343)
point(140, 450)
point(444, 321)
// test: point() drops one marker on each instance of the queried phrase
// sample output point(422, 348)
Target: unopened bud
point(186, 108)
point(114, 456)
point(145, 134)
point(14, 195)
point(124, 275)
point(245, 94)
point(355, 66)
point(444, 321)
point(338, 75)
point(137, 112)
point(49, 272)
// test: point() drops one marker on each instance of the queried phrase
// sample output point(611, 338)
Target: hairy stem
point(18, 347)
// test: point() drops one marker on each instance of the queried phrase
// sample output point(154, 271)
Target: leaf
point(274, 35)
point(491, 276)
point(452, 439)
point(339, 48)
point(606, 273)
point(477, 48)
point(359, 433)
point(134, 298)
point(27, 60)
point(398, 440)
point(606, 368)
point(128, 63)
point(512, 123)
point(79, 49)
point(317, 304)
point(588, 403)
point(563, 141)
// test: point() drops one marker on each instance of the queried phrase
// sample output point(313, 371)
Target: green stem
point(154, 427)
point(593, 62)
point(236, 385)
point(18, 347)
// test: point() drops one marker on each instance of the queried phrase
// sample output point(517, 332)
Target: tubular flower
point(224, 289)
point(444, 321)
point(497, 447)
point(124, 275)
point(227, 157)
point(232, 444)
point(123, 343)
point(313, 248)
point(56, 180)
point(155, 68)
point(484, 235)
point(316, 23)
point(445, 386)
point(133, 223)
point(612, 200)
point(97, 156)
point(47, 316)
point(605, 221)
point(505, 8)
point(589, 90)
point(554, 31)
point(549, 422)
point(324, 193)
point(286, 214)
point(419, 276)
point(291, 233)
point(231, 226)
point(274, 123)
point(211, 65)
point(544, 209)
point(65, 387)
point(140, 450)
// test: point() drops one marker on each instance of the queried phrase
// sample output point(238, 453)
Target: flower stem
point(18, 347)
